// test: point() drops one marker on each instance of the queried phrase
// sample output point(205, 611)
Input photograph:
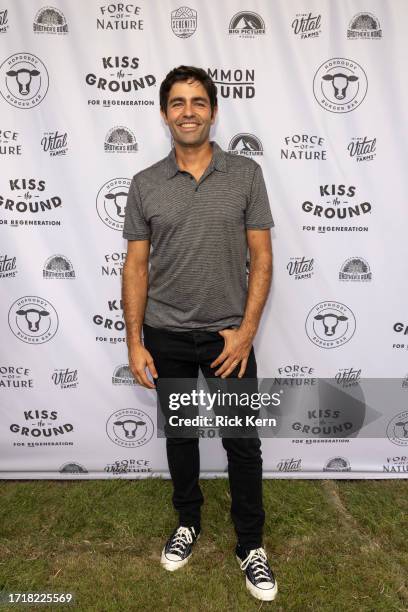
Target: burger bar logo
point(348, 377)
point(130, 428)
point(120, 79)
point(245, 144)
point(397, 429)
point(295, 371)
point(4, 24)
point(303, 147)
point(55, 144)
point(31, 202)
point(8, 143)
point(289, 465)
point(15, 377)
point(300, 267)
point(64, 378)
point(330, 324)
point(362, 148)
point(247, 24)
point(114, 323)
point(364, 26)
point(335, 204)
point(122, 375)
point(396, 465)
point(23, 80)
point(73, 468)
point(40, 425)
point(8, 268)
point(355, 269)
point(111, 202)
point(58, 266)
point(184, 22)
point(33, 319)
point(120, 140)
point(50, 20)
point(337, 464)
point(129, 466)
point(340, 85)
point(307, 25)
point(120, 16)
point(235, 83)
point(113, 264)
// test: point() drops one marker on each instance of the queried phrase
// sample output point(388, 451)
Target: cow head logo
point(130, 428)
point(111, 202)
point(397, 429)
point(330, 324)
point(23, 80)
point(340, 85)
point(33, 320)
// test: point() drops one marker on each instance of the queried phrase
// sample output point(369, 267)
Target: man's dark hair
point(185, 73)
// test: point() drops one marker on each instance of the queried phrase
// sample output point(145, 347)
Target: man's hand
point(139, 360)
point(236, 350)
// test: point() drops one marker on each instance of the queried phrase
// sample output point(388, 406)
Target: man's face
point(189, 113)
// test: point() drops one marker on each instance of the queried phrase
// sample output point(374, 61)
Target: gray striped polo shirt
point(197, 276)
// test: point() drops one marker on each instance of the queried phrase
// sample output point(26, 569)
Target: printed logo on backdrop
point(348, 377)
point(119, 82)
point(122, 375)
point(184, 22)
point(234, 83)
point(336, 202)
point(55, 144)
point(27, 199)
point(50, 20)
point(364, 26)
point(8, 144)
point(64, 378)
point(41, 428)
point(4, 24)
point(120, 16)
point(120, 139)
point(111, 202)
point(245, 144)
point(362, 148)
point(58, 266)
point(23, 80)
point(300, 267)
point(306, 25)
point(400, 328)
point(8, 267)
point(355, 269)
point(33, 319)
point(396, 465)
point(113, 265)
point(113, 324)
point(304, 146)
point(337, 464)
point(296, 371)
point(247, 24)
point(289, 465)
point(130, 428)
point(397, 429)
point(340, 85)
point(330, 324)
point(15, 377)
point(73, 468)
point(129, 466)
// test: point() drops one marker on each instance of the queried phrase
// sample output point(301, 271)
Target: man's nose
point(188, 109)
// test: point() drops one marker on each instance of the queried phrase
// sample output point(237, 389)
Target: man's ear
point(214, 114)
point(163, 114)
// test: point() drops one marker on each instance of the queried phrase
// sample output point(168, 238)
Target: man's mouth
point(188, 125)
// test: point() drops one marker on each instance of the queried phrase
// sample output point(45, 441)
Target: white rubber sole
point(172, 566)
point(263, 594)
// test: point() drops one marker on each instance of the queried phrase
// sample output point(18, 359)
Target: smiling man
point(193, 215)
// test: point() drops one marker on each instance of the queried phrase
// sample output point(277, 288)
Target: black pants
point(180, 355)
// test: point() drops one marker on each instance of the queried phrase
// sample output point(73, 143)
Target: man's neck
point(193, 158)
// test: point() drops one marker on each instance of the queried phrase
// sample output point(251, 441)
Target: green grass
point(335, 546)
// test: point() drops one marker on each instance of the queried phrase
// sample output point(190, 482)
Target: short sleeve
point(135, 226)
point(258, 211)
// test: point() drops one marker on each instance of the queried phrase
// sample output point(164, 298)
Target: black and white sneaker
point(179, 548)
point(260, 580)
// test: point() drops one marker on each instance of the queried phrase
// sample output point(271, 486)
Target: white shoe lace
point(181, 537)
point(258, 558)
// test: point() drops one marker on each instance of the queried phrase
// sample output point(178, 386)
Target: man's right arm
point(135, 280)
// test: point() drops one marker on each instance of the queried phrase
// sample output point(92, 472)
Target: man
point(200, 209)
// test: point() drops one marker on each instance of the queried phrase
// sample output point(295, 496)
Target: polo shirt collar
point(218, 161)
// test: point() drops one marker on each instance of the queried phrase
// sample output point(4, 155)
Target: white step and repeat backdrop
point(314, 91)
